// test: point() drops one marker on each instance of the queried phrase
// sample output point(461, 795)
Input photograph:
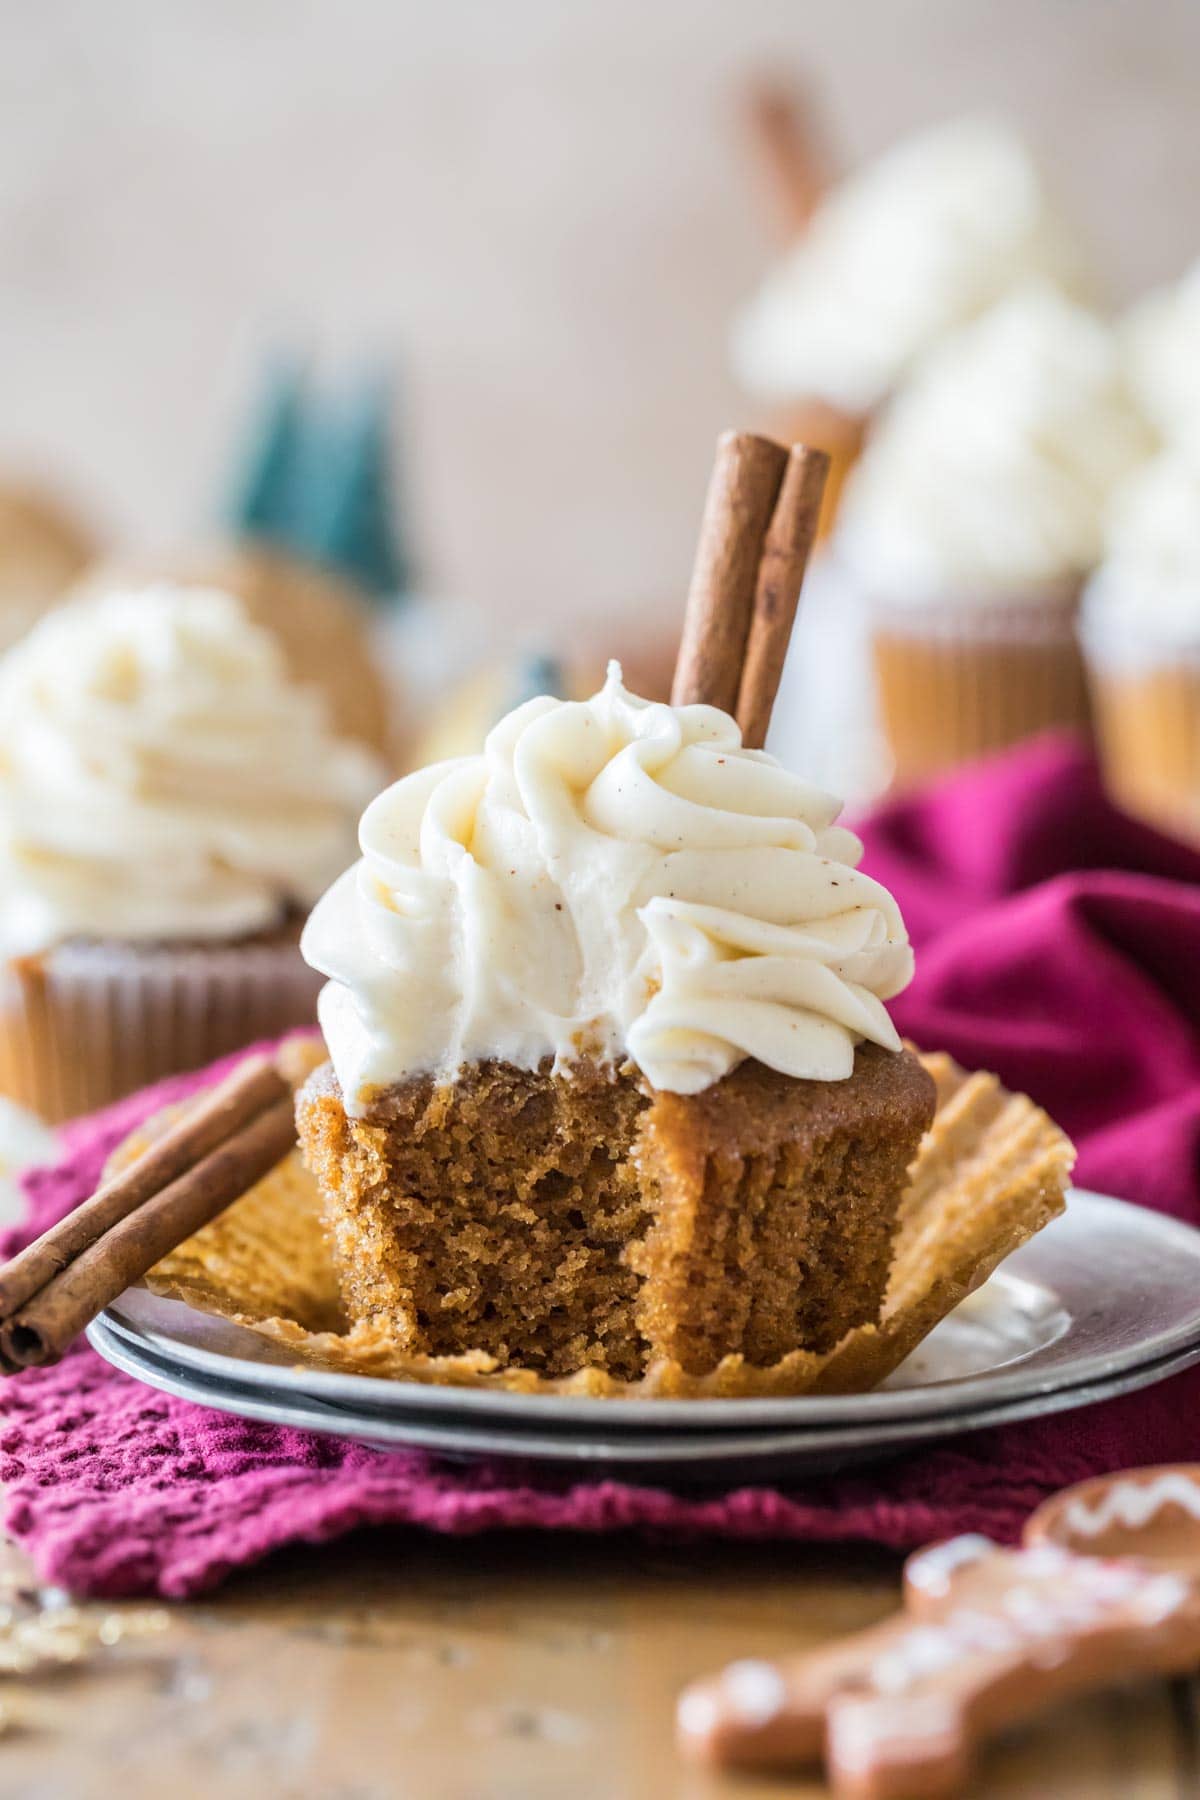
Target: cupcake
point(1141, 634)
point(43, 548)
point(321, 623)
point(612, 1082)
point(171, 803)
point(893, 259)
point(972, 521)
point(1160, 340)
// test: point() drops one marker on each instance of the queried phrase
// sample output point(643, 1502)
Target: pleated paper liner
point(959, 683)
point(1148, 729)
point(88, 1023)
point(991, 1172)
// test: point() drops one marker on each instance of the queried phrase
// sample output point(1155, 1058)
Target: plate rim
point(389, 1395)
point(679, 1454)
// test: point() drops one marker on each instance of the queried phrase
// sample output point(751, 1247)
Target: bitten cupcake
point(1141, 634)
point(893, 259)
point(170, 806)
point(613, 1082)
point(972, 521)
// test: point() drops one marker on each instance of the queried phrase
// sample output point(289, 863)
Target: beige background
point(540, 206)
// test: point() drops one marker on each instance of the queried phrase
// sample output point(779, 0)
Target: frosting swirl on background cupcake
point(914, 245)
point(989, 475)
point(1160, 338)
point(1147, 590)
point(161, 778)
point(610, 878)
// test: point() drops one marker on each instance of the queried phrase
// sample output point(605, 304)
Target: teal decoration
point(534, 675)
point(270, 467)
point(350, 512)
point(317, 480)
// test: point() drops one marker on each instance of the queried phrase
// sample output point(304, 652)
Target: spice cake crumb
point(560, 1221)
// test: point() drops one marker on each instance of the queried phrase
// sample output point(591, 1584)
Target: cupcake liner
point(1147, 709)
point(958, 683)
point(991, 1171)
point(87, 1023)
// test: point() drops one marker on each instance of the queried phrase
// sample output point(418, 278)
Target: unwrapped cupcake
point(1141, 633)
point(972, 521)
point(171, 804)
point(893, 259)
point(613, 1082)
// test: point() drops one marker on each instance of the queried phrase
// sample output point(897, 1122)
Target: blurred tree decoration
point(535, 673)
point(316, 477)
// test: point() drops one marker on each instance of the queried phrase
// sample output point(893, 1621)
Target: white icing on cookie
point(697, 1713)
point(931, 1570)
point(859, 1736)
point(1057, 1597)
point(755, 1690)
point(1132, 1504)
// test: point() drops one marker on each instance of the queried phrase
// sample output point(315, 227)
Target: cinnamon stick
point(790, 538)
point(253, 1086)
point(745, 483)
point(787, 145)
point(41, 1331)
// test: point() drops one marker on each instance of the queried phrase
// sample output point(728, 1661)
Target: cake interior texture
point(556, 1221)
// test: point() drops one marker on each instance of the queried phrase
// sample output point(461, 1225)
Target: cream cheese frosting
point(1161, 342)
point(609, 879)
point(989, 476)
point(162, 778)
point(1147, 590)
point(898, 255)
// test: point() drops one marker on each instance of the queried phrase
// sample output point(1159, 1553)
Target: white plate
point(1101, 1302)
point(735, 1458)
point(1104, 1301)
point(1107, 1288)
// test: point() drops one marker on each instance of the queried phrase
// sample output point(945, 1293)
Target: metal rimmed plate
point(1100, 1303)
point(731, 1458)
point(1105, 1290)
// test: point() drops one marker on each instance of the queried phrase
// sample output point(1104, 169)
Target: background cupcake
point(972, 521)
point(171, 804)
point(1141, 632)
point(1160, 341)
point(321, 622)
point(891, 260)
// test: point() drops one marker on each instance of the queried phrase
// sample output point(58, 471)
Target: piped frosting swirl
point(161, 777)
point(609, 879)
point(897, 256)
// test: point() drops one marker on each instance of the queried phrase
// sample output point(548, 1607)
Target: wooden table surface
point(396, 1666)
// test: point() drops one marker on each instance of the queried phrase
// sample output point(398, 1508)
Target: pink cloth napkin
point(1059, 943)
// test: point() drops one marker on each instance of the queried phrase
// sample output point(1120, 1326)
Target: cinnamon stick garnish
point(745, 483)
point(787, 144)
point(41, 1331)
point(253, 1086)
point(790, 538)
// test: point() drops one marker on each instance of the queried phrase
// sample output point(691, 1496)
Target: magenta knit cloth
point(1058, 943)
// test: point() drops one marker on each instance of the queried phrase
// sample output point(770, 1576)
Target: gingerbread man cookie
point(987, 1638)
